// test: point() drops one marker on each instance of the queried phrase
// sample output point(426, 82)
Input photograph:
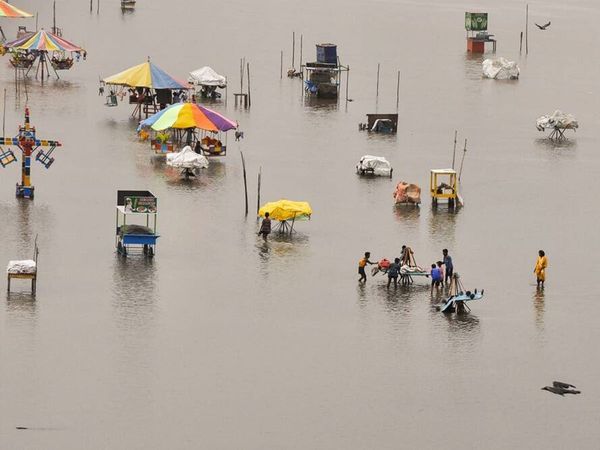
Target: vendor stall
point(132, 237)
point(285, 211)
point(558, 122)
point(374, 165)
point(206, 82)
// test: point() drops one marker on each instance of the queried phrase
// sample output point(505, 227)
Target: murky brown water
point(225, 342)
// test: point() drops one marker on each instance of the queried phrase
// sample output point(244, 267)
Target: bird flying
point(543, 27)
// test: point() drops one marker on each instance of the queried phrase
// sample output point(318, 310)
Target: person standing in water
point(393, 272)
point(448, 266)
point(265, 227)
point(436, 277)
point(540, 268)
point(361, 267)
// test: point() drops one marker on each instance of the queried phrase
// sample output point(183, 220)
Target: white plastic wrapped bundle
point(26, 266)
point(557, 120)
point(187, 159)
point(500, 69)
point(376, 165)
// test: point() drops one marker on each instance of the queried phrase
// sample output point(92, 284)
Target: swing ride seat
point(44, 158)
point(452, 302)
point(7, 157)
point(21, 63)
point(111, 100)
point(62, 64)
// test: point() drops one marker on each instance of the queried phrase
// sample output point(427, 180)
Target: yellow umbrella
point(283, 210)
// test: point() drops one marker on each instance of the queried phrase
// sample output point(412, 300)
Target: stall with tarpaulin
point(285, 211)
point(11, 12)
point(131, 237)
point(190, 124)
point(206, 82)
point(147, 86)
point(45, 48)
point(28, 143)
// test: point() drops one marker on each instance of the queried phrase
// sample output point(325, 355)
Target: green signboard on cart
point(476, 21)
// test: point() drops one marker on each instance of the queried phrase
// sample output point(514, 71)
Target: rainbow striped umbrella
point(43, 41)
point(8, 10)
point(188, 115)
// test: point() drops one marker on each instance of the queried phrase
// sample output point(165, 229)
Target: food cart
point(132, 237)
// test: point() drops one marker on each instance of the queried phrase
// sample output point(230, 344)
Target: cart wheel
point(145, 249)
point(119, 248)
point(150, 252)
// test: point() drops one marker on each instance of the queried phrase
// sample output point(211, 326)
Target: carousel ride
point(147, 86)
point(28, 143)
point(43, 50)
point(187, 124)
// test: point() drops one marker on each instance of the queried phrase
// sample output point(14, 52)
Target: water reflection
point(211, 177)
point(320, 105)
point(539, 307)
point(134, 291)
point(472, 63)
point(551, 145)
point(462, 328)
point(21, 303)
point(442, 223)
point(408, 215)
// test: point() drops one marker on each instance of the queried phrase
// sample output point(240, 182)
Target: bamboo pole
point(293, 49)
point(527, 29)
point(300, 52)
point(521, 43)
point(245, 182)
point(398, 92)
point(258, 196)
point(249, 98)
point(347, 81)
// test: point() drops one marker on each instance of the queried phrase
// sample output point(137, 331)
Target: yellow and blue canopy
point(286, 210)
point(146, 75)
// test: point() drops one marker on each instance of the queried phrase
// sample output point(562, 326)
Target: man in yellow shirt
point(361, 267)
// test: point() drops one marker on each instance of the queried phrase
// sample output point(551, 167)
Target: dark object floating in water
point(559, 390)
point(22, 428)
point(560, 384)
point(543, 27)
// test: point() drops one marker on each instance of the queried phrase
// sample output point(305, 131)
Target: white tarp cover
point(206, 76)
point(557, 120)
point(378, 165)
point(21, 267)
point(187, 159)
point(500, 69)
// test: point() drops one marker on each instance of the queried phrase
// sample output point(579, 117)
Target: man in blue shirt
point(448, 265)
point(436, 276)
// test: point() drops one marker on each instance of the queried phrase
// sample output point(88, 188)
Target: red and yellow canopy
point(8, 10)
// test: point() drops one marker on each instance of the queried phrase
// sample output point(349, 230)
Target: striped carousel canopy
point(8, 10)
point(43, 41)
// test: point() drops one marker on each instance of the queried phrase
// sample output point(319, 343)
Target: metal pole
point(245, 183)
point(377, 94)
point(258, 197)
point(249, 99)
point(462, 161)
point(454, 151)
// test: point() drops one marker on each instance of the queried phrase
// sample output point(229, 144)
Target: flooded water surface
point(223, 341)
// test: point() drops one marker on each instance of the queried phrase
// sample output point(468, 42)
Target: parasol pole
point(245, 182)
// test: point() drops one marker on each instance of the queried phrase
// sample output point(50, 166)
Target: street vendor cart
point(134, 207)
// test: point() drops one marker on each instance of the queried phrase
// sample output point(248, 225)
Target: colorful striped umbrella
point(8, 10)
point(188, 115)
point(146, 75)
point(43, 41)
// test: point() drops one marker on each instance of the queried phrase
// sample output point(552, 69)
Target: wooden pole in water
point(241, 75)
point(521, 43)
point(527, 29)
point(293, 48)
point(249, 98)
point(36, 21)
point(454, 151)
point(347, 81)
point(97, 6)
point(4, 115)
point(398, 92)
point(377, 92)
point(245, 182)
point(281, 66)
point(258, 196)
point(54, 17)
point(91, 6)
point(300, 52)
point(462, 161)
